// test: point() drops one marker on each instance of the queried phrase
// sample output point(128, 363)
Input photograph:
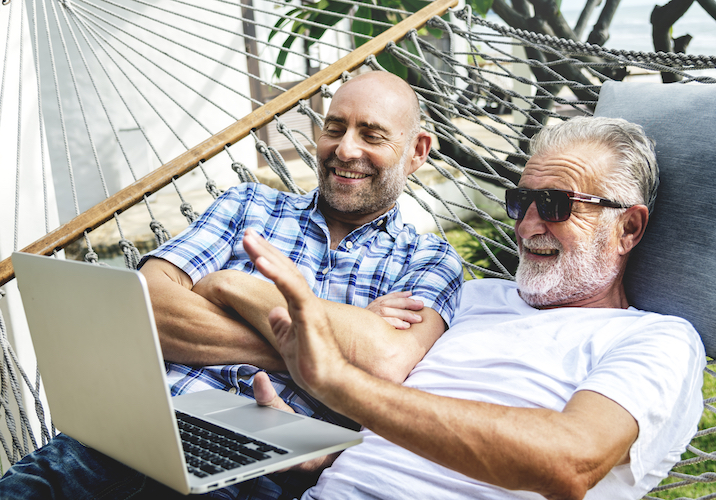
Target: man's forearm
point(557, 454)
point(194, 331)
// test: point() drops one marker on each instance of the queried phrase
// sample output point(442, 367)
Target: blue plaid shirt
point(377, 258)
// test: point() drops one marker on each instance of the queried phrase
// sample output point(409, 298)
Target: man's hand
point(396, 307)
point(309, 346)
point(266, 395)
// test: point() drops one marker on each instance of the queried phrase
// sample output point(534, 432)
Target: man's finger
point(397, 324)
point(276, 266)
point(265, 394)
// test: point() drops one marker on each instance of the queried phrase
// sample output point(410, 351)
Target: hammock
point(112, 95)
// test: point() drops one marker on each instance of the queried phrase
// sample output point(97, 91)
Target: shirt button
point(349, 244)
point(325, 271)
point(380, 222)
point(233, 390)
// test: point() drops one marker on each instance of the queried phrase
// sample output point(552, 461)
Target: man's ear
point(423, 141)
point(632, 226)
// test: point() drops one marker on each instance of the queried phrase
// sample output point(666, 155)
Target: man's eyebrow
point(374, 126)
point(334, 119)
point(364, 124)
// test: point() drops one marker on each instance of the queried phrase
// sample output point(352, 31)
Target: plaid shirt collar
point(391, 221)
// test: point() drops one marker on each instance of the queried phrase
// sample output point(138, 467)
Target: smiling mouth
point(548, 252)
point(347, 174)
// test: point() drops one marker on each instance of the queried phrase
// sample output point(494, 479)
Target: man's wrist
point(338, 388)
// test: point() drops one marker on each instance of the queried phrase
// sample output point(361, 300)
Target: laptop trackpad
point(253, 418)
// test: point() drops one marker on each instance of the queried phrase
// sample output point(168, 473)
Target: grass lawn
point(471, 250)
point(706, 443)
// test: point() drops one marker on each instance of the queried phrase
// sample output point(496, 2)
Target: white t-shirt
point(500, 350)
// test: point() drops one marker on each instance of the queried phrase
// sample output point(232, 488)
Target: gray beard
point(576, 275)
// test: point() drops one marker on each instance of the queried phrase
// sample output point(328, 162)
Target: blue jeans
point(65, 469)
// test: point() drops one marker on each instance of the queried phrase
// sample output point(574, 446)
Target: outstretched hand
point(303, 333)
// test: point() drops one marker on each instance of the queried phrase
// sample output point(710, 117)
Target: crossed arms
point(223, 319)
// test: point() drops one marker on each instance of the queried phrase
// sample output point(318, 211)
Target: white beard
point(575, 275)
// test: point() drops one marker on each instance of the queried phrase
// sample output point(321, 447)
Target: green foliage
point(473, 251)
point(315, 24)
point(480, 7)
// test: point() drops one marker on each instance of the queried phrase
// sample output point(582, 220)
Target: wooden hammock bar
point(186, 162)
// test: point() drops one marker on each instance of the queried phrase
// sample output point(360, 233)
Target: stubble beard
point(377, 196)
point(576, 275)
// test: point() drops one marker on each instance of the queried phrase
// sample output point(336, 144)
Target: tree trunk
point(584, 17)
point(510, 15)
point(549, 11)
point(709, 6)
point(662, 19)
point(522, 7)
point(600, 32)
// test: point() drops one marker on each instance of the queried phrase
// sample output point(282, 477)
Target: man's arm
point(557, 454)
point(195, 331)
point(366, 339)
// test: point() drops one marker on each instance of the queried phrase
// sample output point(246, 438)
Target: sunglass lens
point(517, 202)
point(554, 206)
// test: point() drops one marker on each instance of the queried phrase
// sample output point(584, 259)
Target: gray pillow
point(673, 269)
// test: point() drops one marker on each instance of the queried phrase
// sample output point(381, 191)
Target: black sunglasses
point(553, 205)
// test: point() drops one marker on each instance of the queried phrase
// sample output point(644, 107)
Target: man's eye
point(333, 131)
point(372, 137)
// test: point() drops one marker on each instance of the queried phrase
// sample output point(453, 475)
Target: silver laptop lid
point(87, 320)
point(99, 355)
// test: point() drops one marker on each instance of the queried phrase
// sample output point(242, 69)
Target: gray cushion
point(673, 269)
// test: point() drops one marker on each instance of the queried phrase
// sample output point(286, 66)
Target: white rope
point(121, 96)
point(41, 122)
point(61, 113)
point(186, 47)
point(80, 101)
point(19, 133)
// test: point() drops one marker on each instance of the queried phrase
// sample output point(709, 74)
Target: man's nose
point(532, 224)
point(348, 148)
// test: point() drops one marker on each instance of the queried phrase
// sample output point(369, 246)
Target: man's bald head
point(388, 83)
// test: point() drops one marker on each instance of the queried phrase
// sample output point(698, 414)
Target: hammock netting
point(130, 97)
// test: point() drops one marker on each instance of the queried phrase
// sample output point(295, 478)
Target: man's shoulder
point(674, 326)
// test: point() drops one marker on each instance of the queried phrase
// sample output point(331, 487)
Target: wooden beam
point(184, 163)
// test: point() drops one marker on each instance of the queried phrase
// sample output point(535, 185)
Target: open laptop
point(97, 348)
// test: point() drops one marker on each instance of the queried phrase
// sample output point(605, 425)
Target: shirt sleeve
point(433, 275)
point(655, 372)
point(207, 243)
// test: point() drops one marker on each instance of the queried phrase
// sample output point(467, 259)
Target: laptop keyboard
point(210, 449)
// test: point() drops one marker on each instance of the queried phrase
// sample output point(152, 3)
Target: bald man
point(347, 237)
point(389, 292)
